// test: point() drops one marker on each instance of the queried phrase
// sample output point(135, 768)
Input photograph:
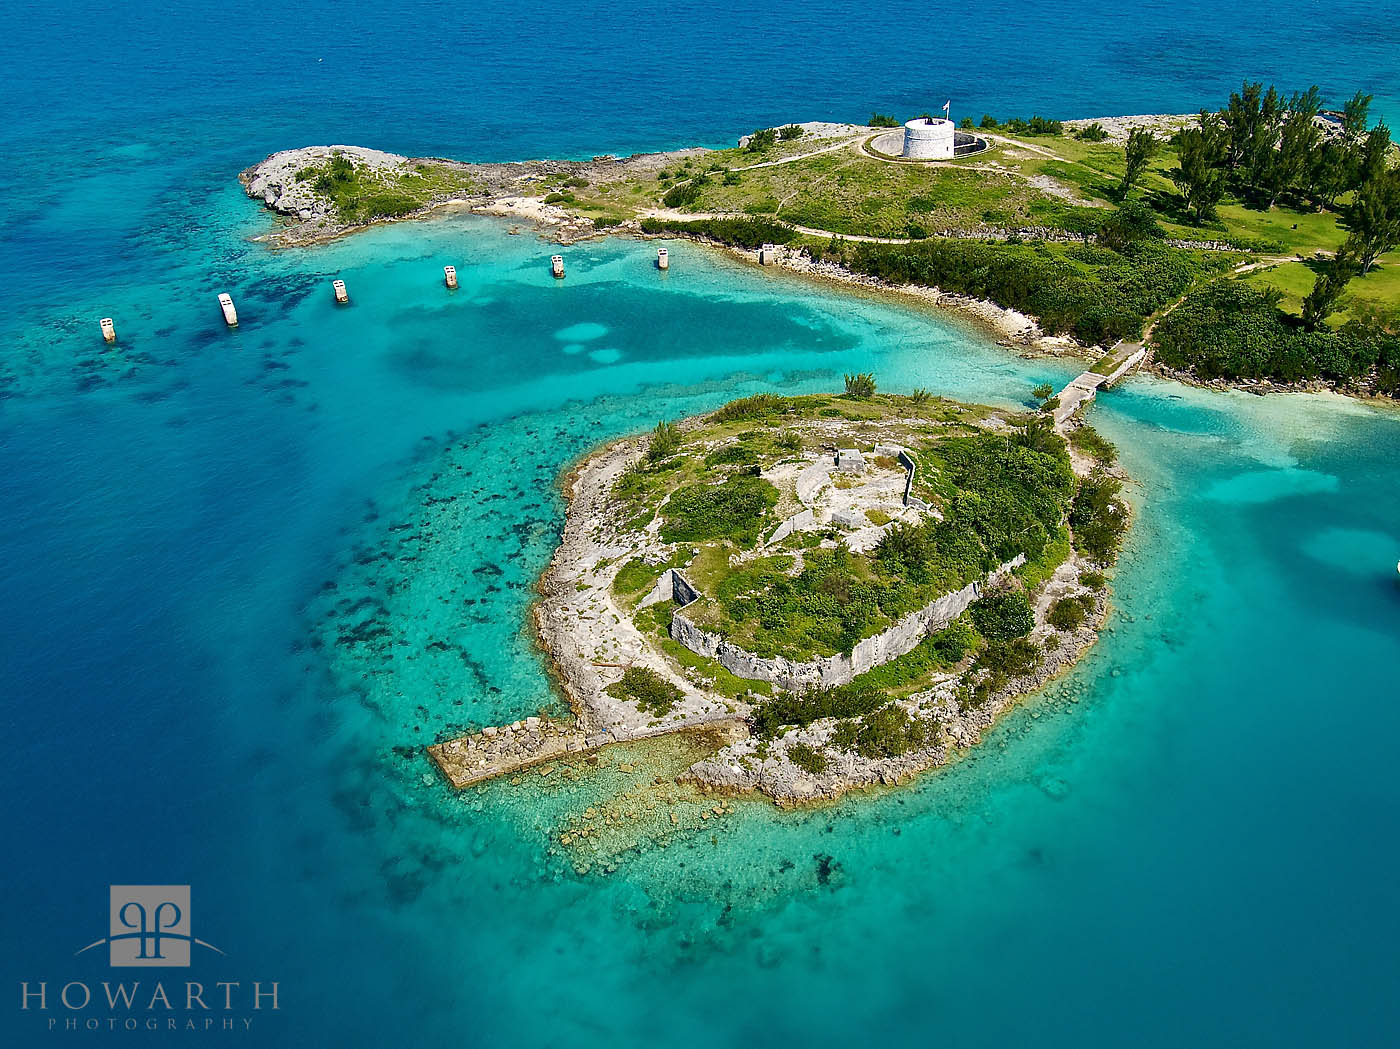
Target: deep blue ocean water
point(1186, 842)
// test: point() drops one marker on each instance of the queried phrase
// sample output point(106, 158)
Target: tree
point(1249, 122)
point(1260, 149)
point(1288, 167)
point(1331, 280)
point(1201, 154)
point(1334, 170)
point(1373, 154)
point(1043, 391)
point(1374, 218)
point(1142, 144)
point(1355, 115)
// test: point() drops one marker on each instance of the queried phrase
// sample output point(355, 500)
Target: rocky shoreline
point(738, 769)
point(589, 638)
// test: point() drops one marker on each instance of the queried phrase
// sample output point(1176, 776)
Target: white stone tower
point(928, 138)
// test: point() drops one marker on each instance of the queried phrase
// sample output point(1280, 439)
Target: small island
point(846, 588)
point(842, 590)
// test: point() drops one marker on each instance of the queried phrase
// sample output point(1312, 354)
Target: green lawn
point(1379, 289)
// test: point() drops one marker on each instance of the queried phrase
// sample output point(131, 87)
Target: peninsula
point(850, 588)
point(1252, 246)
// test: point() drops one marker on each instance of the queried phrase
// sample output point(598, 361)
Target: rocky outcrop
point(275, 181)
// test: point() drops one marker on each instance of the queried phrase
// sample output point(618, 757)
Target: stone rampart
point(826, 671)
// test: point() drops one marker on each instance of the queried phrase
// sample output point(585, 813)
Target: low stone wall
point(840, 669)
point(801, 519)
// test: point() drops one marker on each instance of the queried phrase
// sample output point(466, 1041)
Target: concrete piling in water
point(449, 274)
point(556, 263)
point(109, 330)
point(663, 259)
point(768, 255)
point(226, 305)
point(341, 295)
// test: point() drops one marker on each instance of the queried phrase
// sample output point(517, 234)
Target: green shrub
point(736, 232)
point(646, 688)
point(802, 708)
point(1043, 392)
point(1091, 133)
point(759, 406)
point(807, 758)
point(790, 132)
point(1093, 444)
point(1098, 296)
point(762, 139)
point(1066, 614)
point(1093, 580)
point(882, 120)
point(732, 454)
point(1233, 330)
point(731, 178)
point(884, 733)
point(1003, 614)
point(861, 386)
point(1133, 223)
point(919, 396)
point(1004, 660)
point(734, 509)
point(383, 204)
point(789, 441)
point(665, 441)
point(576, 182)
point(682, 195)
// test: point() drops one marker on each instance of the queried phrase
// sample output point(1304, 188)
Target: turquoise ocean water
point(241, 569)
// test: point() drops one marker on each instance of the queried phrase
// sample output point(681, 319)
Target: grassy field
point(1050, 181)
point(1378, 290)
point(1049, 185)
point(361, 194)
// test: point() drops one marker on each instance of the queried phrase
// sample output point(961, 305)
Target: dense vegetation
point(1001, 494)
point(362, 195)
point(736, 232)
point(648, 689)
point(733, 509)
point(1098, 516)
point(1267, 150)
point(1092, 292)
point(1003, 614)
point(1233, 330)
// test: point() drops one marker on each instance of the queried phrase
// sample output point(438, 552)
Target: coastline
point(587, 637)
point(503, 190)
